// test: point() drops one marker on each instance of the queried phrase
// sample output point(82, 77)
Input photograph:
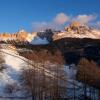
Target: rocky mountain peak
point(75, 24)
point(78, 28)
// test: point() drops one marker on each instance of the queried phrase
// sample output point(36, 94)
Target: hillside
point(71, 50)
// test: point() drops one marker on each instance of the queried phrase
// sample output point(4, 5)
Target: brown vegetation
point(42, 83)
point(44, 53)
point(89, 73)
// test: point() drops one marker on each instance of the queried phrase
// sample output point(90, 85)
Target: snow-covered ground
point(13, 66)
point(10, 74)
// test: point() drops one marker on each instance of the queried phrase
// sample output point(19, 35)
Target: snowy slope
point(10, 75)
point(39, 40)
point(13, 66)
point(95, 34)
point(76, 30)
point(11, 72)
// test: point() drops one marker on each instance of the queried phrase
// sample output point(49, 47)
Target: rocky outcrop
point(73, 26)
point(48, 34)
point(20, 35)
point(78, 28)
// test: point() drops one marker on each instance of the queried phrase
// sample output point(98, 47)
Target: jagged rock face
point(75, 24)
point(5, 36)
point(48, 34)
point(21, 36)
point(78, 28)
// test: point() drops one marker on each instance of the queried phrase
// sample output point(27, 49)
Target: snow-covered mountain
point(76, 30)
point(33, 38)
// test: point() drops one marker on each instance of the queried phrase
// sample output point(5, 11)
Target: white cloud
point(85, 19)
point(98, 23)
point(61, 18)
point(40, 26)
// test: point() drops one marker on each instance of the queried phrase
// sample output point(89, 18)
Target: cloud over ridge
point(61, 19)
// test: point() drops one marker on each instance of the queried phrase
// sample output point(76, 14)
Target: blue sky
point(34, 14)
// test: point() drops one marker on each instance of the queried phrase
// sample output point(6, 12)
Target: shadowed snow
point(38, 40)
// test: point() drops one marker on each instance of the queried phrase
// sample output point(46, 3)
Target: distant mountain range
point(74, 30)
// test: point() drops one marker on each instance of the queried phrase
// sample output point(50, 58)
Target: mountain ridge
point(74, 30)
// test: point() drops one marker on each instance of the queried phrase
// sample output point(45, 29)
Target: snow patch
point(70, 71)
point(39, 40)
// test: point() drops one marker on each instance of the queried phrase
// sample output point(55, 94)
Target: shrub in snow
point(2, 68)
point(1, 59)
point(1, 62)
point(9, 88)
